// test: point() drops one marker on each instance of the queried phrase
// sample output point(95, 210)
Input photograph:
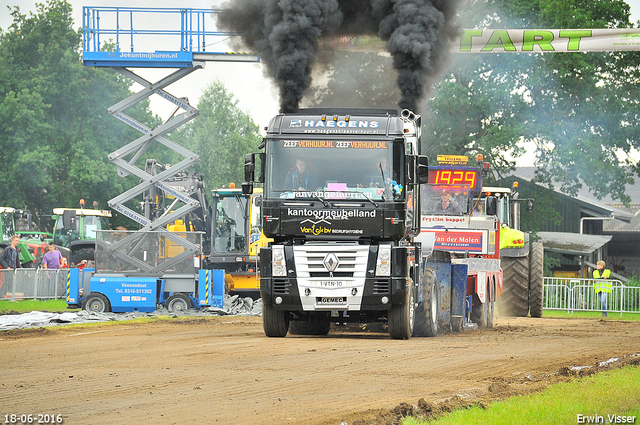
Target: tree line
point(576, 114)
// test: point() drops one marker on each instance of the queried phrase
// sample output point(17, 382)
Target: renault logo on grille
point(331, 262)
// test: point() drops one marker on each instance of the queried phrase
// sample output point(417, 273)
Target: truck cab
point(75, 231)
point(339, 203)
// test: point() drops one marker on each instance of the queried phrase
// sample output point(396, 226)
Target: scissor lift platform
point(183, 39)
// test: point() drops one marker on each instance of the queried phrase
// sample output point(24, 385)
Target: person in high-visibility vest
point(602, 285)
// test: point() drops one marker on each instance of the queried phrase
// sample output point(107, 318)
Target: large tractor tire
point(402, 317)
point(536, 278)
point(514, 300)
point(274, 322)
point(82, 254)
point(426, 322)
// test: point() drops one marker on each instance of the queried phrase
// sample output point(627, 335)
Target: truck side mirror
point(422, 163)
point(492, 205)
point(249, 173)
point(249, 167)
point(261, 155)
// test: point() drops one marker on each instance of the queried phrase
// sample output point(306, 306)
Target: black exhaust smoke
point(286, 34)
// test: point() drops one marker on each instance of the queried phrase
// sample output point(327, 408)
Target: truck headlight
point(278, 263)
point(383, 263)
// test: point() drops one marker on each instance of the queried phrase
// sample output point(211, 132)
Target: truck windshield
point(444, 200)
point(334, 170)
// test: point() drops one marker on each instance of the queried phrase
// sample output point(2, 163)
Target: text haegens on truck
point(342, 202)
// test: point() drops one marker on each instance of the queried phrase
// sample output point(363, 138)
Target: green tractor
point(7, 230)
point(75, 230)
point(522, 261)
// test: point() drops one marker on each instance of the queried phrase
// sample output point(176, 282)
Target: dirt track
point(224, 370)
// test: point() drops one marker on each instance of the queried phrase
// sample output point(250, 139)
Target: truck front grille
point(352, 260)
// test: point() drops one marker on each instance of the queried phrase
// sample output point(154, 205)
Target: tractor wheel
point(178, 302)
point(309, 328)
point(274, 322)
point(82, 254)
point(427, 312)
point(514, 300)
point(401, 317)
point(536, 280)
point(96, 303)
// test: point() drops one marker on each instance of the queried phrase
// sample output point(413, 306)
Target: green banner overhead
point(545, 40)
point(514, 41)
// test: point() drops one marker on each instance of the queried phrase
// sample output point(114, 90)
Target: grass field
point(591, 314)
point(33, 305)
point(608, 397)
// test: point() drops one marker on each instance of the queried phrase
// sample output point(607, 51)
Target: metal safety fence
point(40, 284)
point(572, 294)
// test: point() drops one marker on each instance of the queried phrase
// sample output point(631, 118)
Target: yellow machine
point(237, 238)
point(231, 226)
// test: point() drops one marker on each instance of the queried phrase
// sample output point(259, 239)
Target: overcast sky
point(255, 93)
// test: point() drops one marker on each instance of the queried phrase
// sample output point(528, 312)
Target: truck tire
point(309, 328)
point(514, 300)
point(178, 302)
point(536, 279)
point(490, 308)
point(479, 312)
point(82, 254)
point(401, 317)
point(426, 321)
point(274, 322)
point(96, 303)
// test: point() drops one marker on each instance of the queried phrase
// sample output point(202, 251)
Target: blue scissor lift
point(124, 38)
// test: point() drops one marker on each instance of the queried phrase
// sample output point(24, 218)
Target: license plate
point(332, 300)
point(330, 283)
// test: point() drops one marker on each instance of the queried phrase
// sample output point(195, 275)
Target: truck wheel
point(536, 280)
point(274, 322)
point(479, 312)
point(309, 328)
point(490, 308)
point(96, 303)
point(82, 254)
point(178, 302)
point(427, 311)
point(401, 317)
point(514, 300)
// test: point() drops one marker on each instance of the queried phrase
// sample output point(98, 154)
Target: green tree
point(221, 135)
point(579, 110)
point(55, 132)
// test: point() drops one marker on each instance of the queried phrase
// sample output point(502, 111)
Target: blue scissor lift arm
point(153, 26)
